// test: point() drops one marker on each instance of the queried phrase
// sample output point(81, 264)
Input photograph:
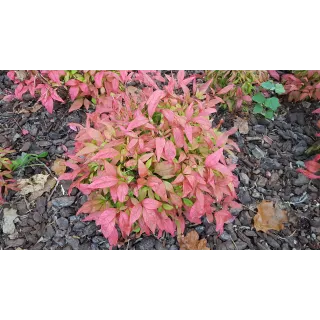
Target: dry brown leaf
point(269, 217)
point(191, 242)
point(51, 182)
point(21, 74)
point(242, 125)
point(59, 167)
point(33, 109)
point(33, 184)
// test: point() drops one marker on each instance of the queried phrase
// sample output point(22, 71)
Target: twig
point(54, 189)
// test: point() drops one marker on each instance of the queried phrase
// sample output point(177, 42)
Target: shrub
point(83, 87)
point(151, 159)
point(301, 84)
point(6, 181)
point(235, 87)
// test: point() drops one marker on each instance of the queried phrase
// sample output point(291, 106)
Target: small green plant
point(267, 106)
point(26, 159)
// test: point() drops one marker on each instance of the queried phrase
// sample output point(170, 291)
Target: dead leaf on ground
point(33, 109)
point(59, 167)
point(191, 242)
point(9, 215)
point(33, 184)
point(269, 217)
point(242, 125)
point(51, 182)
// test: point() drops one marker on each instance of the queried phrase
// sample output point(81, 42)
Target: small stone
point(37, 217)
point(67, 212)
point(63, 223)
point(262, 181)
point(256, 194)
point(225, 236)
point(301, 180)
point(244, 197)
point(74, 243)
point(241, 245)
point(60, 233)
point(25, 147)
point(200, 229)
point(44, 143)
point(41, 205)
point(78, 226)
point(259, 128)
point(244, 178)
point(270, 164)
point(274, 178)
point(173, 247)
point(63, 201)
point(15, 243)
point(49, 232)
point(257, 153)
point(146, 243)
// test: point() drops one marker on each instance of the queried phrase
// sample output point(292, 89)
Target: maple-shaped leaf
point(191, 242)
point(269, 217)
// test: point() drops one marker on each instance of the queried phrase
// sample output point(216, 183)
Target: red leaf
point(170, 151)
point(180, 76)
point(105, 153)
point(124, 224)
point(98, 79)
point(222, 217)
point(214, 158)
point(158, 187)
point(103, 182)
point(122, 191)
point(49, 105)
point(160, 143)
point(274, 74)
point(153, 101)
point(142, 169)
point(135, 213)
point(77, 104)
point(226, 89)
point(178, 137)
point(151, 204)
point(137, 122)
point(73, 92)
point(188, 132)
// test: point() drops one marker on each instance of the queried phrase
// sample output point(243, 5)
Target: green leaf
point(167, 206)
point(279, 88)
point(73, 71)
point(187, 202)
point(272, 103)
point(269, 114)
point(259, 97)
point(136, 229)
point(258, 108)
point(94, 101)
point(268, 85)
point(148, 163)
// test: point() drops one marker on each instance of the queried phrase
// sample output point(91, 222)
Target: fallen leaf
point(33, 184)
point(191, 242)
point(59, 167)
point(242, 125)
point(9, 216)
point(51, 182)
point(269, 217)
point(25, 132)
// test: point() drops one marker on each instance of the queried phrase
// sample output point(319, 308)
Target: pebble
point(146, 243)
point(63, 201)
point(244, 178)
point(257, 153)
point(74, 243)
point(63, 223)
point(301, 180)
point(15, 243)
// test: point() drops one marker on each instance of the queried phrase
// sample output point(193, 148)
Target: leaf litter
point(191, 242)
point(269, 217)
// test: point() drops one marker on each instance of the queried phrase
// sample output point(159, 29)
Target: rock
point(49, 232)
point(22, 208)
point(274, 178)
point(301, 180)
point(257, 153)
point(78, 226)
point(74, 243)
point(241, 245)
point(44, 143)
point(26, 146)
point(244, 196)
point(41, 205)
point(15, 243)
point(244, 178)
point(270, 164)
point(225, 236)
point(90, 230)
point(255, 194)
point(67, 212)
point(9, 215)
point(273, 243)
point(158, 245)
point(62, 223)
point(262, 181)
point(173, 247)
point(60, 233)
point(259, 128)
point(146, 243)
point(63, 202)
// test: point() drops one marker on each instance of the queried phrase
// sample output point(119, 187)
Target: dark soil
point(266, 171)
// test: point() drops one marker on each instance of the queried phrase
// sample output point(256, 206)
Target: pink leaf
point(170, 151)
point(103, 182)
point(154, 100)
point(77, 104)
point(160, 143)
point(98, 79)
point(188, 131)
point(135, 213)
point(105, 153)
point(137, 122)
point(122, 191)
point(73, 92)
point(124, 224)
point(226, 89)
point(214, 158)
point(142, 169)
point(178, 137)
point(222, 217)
point(151, 204)
point(274, 74)
point(49, 105)
point(25, 132)
point(158, 187)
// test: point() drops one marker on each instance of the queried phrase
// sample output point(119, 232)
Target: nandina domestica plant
point(149, 159)
point(236, 87)
point(6, 181)
point(83, 87)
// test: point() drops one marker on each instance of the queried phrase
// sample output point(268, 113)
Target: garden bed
point(270, 154)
